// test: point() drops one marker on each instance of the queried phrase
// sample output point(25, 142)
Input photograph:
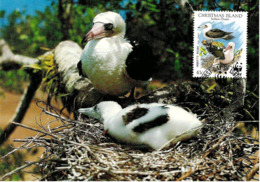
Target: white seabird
point(113, 64)
point(152, 124)
point(229, 52)
point(213, 34)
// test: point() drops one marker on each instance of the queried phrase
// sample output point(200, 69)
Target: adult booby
point(152, 125)
point(212, 34)
point(113, 64)
point(228, 54)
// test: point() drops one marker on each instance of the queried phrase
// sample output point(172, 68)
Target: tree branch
point(9, 60)
point(251, 173)
point(22, 107)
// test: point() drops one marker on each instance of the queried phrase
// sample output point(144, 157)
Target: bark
point(9, 60)
point(64, 15)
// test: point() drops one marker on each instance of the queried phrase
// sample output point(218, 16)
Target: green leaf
point(170, 50)
point(34, 66)
point(177, 65)
point(23, 37)
point(211, 88)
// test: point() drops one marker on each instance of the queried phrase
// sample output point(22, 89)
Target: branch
point(22, 107)
point(239, 91)
point(17, 169)
point(252, 172)
point(9, 60)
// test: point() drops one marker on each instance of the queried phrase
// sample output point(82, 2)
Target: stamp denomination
point(220, 44)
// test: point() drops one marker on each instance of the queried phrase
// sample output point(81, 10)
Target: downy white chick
point(152, 124)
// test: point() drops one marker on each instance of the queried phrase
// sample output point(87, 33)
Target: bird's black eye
point(95, 108)
point(108, 26)
point(206, 26)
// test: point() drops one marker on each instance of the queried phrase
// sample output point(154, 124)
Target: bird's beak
point(227, 48)
point(85, 111)
point(89, 112)
point(96, 32)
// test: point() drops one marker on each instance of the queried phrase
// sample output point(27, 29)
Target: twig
point(18, 169)
point(251, 174)
point(185, 175)
point(34, 129)
point(217, 144)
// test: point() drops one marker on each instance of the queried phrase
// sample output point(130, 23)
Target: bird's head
point(206, 26)
point(230, 46)
point(107, 24)
point(102, 110)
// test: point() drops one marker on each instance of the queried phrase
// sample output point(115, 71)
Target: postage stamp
point(220, 44)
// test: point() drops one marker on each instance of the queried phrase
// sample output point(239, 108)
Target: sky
point(30, 5)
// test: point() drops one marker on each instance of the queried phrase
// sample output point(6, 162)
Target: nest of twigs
point(79, 150)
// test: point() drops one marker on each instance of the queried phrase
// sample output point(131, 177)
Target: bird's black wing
point(79, 66)
point(215, 49)
point(218, 53)
point(141, 64)
point(217, 33)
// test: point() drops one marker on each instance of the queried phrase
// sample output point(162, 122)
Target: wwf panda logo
point(237, 67)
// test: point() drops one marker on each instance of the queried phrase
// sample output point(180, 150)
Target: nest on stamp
point(78, 149)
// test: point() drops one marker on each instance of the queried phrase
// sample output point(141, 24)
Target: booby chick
point(151, 125)
point(213, 34)
point(113, 64)
point(228, 54)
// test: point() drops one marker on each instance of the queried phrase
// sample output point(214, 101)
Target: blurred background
point(31, 27)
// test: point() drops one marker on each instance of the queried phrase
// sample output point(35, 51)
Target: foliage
point(13, 80)
point(202, 51)
point(51, 83)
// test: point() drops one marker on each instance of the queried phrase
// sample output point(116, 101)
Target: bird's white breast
point(103, 61)
point(229, 55)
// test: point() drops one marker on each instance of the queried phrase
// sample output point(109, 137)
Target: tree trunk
point(65, 18)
